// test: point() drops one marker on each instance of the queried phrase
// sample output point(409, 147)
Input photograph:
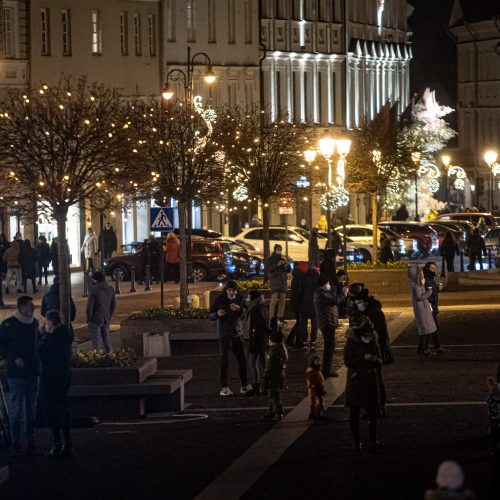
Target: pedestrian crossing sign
point(162, 219)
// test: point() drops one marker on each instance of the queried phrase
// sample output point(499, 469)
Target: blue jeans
point(23, 396)
point(103, 330)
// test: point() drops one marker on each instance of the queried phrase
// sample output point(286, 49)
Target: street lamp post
point(327, 148)
point(416, 159)
point(446, 160)
point(310, 156)
point(490, 157)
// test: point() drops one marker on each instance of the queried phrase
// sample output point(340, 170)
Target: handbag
point(387, 356)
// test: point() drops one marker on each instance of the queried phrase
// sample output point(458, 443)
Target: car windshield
point(247, 245)
point(302, 232)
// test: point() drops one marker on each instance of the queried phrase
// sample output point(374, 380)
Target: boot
point(54, 452)
point(67, 450)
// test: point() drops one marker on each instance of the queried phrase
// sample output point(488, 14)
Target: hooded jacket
point(52, 301)
point(229, 325)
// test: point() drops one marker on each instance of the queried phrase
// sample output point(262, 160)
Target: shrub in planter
point(100, 359)
point(156, 313)
point(399, 264)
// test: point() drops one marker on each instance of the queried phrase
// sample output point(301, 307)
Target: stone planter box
point(137, 373)
point(382, 281)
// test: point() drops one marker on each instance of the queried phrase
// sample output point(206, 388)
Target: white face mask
point(361, 307)
point(277, 252)
point(365, 339)
point(328, 287)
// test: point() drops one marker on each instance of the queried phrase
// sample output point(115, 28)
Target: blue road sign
point(162, 219)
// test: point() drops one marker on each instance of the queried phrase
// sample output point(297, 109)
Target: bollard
point(86, 283)
point(132, 279)
point(147, 277)
point(461, 261)
point(489, 259)
point(117, 282)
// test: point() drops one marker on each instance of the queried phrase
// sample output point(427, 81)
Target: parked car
point(246, 262)
point(478, 219)
point(423, 234)
point(492, 238)
point(458, 231)
point(209, 259)
point(298, 242)
point(202, 233)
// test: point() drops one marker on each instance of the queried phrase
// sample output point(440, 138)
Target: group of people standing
point(151, 254)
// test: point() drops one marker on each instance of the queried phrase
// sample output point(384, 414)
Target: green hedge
point(170, 313)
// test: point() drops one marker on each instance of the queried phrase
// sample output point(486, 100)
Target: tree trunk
point(64, 274)
point(375, 228)
point(183, 255)
point(265, 234)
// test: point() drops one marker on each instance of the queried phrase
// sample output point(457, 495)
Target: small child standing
point(316, 386)
point(274, 376)
point(259, 338)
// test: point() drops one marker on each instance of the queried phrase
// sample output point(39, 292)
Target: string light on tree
point(240, 193)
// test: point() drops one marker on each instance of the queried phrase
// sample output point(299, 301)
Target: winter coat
point(259, 329)
point(362, 387)
point(274, 374)
point(277, 274)
point(334, 242)
point(315, 382)
point(325, 309)
point(52, 301)
point(171, 249)
point(386, 253)
point(308, 286)
point(422, 309)
point(229, 325)
point(107, 241)
point(449, 247)
point(19, 340)
point(100, 304)
point(313, 250)
point(54, 350)
point(430, 282)
point(90, 247)
point(476, 245)
point(27, 257)
point(11, 255)
point(377, 316)
point(296, 289)
point(43, 253)
point(155, 250)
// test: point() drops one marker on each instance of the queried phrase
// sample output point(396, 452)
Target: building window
point(248, 21)
point(152, 35)
point(171, 20)
point(211, 21)
point(9, 32)
point(45, 30)
point(231, 19)
point(191, 20)
point(96, 32)
point(137, 35)
point(124, 33)
point(66, 31)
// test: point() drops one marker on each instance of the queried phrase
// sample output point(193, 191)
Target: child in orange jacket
point(316, 386)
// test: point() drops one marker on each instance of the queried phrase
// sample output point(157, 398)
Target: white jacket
point(90, 246)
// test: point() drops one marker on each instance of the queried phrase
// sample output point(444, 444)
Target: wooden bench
point(158, 404)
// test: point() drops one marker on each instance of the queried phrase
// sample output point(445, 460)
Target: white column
point(289, 89)
point(302, 93)
point(348, 93)
point(331, 91)
point(272, 89)
point(315, 100)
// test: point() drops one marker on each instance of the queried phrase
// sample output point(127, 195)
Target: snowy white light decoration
point(433, 185)
point(240, 193)
point(459, 184)
point(334, 199)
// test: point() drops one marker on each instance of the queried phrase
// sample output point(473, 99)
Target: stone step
point(479, 282)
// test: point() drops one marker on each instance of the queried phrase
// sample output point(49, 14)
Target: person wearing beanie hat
point(258, 338)
point(228, 309)
point(316, 386)
point(450, 482)
point(274, 376)
point(100, 308)
point(327, 316)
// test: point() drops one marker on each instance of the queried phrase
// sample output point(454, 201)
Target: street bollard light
point(147, 278)
point(117, 282)
point(132, 279)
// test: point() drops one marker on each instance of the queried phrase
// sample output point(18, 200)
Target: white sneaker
point(246, 389)
point(225, 391)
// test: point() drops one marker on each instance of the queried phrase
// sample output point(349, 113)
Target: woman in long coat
point(55, 356)
point(422, 309)
point(27, 258)
point(362, 358)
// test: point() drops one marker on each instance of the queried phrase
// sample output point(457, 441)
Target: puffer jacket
point(90, 246)
point(325, 309)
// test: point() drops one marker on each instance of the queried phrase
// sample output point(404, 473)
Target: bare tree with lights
point(263, 156)
point(59, 145)
point(174, 156)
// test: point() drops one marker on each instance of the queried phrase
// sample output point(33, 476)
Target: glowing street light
point(490, 157)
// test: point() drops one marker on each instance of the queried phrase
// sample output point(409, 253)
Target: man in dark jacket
point(325, 308)
point(52, 301)
point(27, 257)
point(334, 242)
point(277, 270)
point(227, 310)
point(430, 269)
point(476, 248)
point(18, 345)
point(100, 308)
point(107, 241)
point(42, 258)
point(294, 338)
point(306, 307)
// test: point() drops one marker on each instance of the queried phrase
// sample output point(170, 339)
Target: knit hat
point(323, 280)
point(311, 359)
point(231, 284)
point(450, 475)
point(98, 276)
point(276, 336)
point(364, 295)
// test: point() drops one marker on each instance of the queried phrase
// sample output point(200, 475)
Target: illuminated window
point(96, 32)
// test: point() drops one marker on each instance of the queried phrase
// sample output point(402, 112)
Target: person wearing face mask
point(277, 270)
point(424, 321)
point(327, 318)
point(227, 309)
point(362, 357)
point(430, 269)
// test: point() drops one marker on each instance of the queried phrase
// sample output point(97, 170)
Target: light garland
point(334, 199)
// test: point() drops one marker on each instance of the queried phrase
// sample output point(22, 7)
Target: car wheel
point(199, 273)
point(123, 272)
point(365, 254)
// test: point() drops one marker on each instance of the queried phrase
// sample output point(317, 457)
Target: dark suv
point(210, 259)
point(423, 234)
